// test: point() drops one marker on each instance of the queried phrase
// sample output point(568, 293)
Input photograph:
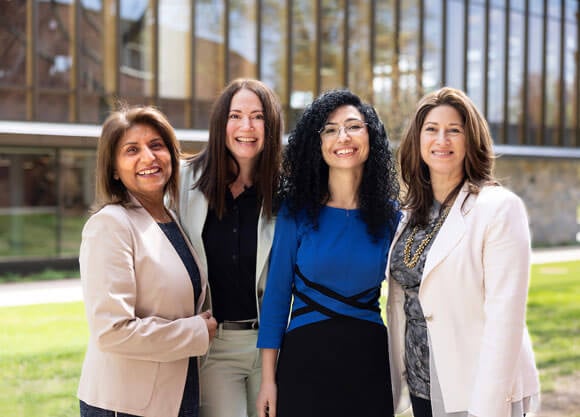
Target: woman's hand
point(210, 322)
point(266, 402)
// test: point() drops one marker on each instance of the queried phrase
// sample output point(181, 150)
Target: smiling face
point(349, 149)
point(443, 144)
point(143, 163)
point(245, 128)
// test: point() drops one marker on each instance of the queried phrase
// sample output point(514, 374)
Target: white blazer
point(193, 207)
point(141, 314)
point(473, 295)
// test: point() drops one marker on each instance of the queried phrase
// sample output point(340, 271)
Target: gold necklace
point(409, 261)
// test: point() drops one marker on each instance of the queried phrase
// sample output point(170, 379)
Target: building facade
point(65, 63)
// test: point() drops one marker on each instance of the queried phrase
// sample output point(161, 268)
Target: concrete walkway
point(68, 290)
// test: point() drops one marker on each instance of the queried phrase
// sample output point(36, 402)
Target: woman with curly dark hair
point(334, 228)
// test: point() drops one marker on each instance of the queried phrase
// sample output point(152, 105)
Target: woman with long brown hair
point(226, 207)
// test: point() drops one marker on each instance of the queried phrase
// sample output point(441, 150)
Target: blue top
point(336, 270)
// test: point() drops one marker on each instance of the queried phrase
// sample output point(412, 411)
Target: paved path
point(68, 290)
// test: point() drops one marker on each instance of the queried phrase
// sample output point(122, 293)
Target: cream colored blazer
point(192, 213)
point(140, 307)
point(473, 295)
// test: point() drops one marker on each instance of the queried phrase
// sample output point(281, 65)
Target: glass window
point(534, 81)
point(174, 48)
point(49, 192)
point(409, 50)
point(384, 56)
point(432, 45)
point(209, 57)
point(332, 45)
point(136, 66)
point(553, 79)
point(359, 49)
point(54, 44)
point(13, 41)
point(274, 59)
point(514, 76)
point(454, 44)
point(476, 53)
point(242, 39)
point(496, 75)
point(570, 74)
point(303, 57)
point(92, 61)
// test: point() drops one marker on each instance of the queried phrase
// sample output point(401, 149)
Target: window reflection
point(274, 38)
point(570, 74)
point(496, 75)
point(432, 45)
point(209, 56)
point(333, 44)
point(242, 39)
point(475, 53)
point(92, 62)
point(303, 57)
point(136, 66)
point(359, 51)
point(454, 44)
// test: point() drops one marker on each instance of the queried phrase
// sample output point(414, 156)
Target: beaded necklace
point(409, 261)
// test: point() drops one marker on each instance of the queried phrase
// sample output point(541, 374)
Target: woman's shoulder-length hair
point(109, 190)
point(218, 166)
point(479, 158)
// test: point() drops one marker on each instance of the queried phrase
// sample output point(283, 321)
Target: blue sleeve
point(278, 295)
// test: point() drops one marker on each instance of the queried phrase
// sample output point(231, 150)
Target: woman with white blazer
point(142, 287)
point(458, 273)
point(226, 208)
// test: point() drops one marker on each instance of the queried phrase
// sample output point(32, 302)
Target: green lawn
point(554, 319)
point(41, 351)
point(42, 346)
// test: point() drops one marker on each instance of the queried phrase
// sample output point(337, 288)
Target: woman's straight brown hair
point(479, 158)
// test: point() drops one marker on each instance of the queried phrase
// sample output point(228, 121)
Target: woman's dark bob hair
point(304, 184)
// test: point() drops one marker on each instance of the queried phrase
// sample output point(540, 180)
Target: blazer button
point(428, 317)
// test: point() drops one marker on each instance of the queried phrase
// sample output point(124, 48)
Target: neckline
point(344, 210)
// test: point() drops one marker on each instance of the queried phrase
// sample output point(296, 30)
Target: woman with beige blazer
point(458, 273)
point(142, 288)
point(226, 208)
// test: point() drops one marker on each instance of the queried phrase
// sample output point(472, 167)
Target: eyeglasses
point(352, 128)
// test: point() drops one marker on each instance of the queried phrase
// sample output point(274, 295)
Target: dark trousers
point(421, 407)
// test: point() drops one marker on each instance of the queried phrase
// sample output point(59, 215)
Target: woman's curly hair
point(304, 184)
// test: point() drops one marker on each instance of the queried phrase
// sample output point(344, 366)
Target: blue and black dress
point(333, 348)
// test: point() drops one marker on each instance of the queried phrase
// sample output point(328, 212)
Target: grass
point(554, 319)
point(41, 351)
point(42, 346)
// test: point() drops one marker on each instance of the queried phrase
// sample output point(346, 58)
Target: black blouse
point(230, 247)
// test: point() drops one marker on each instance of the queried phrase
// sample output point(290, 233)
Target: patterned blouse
point(416, 339)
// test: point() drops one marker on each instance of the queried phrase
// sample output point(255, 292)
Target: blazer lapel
point(265, 237)
point(450, 234)
point(196, 214)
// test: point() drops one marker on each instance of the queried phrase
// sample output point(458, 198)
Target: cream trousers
point(230, 376)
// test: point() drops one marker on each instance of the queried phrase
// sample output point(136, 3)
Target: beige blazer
point(193, 207)
point(139, 303)
point(473, 294)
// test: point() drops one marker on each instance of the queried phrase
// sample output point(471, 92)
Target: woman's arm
point(506, 264)
point(266, 402)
